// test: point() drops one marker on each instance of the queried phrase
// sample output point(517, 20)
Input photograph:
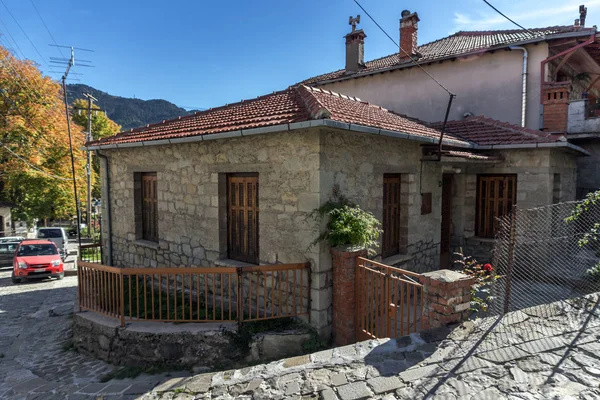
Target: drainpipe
point(108, 210)
point(524, 88)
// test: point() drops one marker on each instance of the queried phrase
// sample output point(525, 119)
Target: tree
point(35, 163)
point(102, 127)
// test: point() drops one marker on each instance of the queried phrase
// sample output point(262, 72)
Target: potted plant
point(348, 225)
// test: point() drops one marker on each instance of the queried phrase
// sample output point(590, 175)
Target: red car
point(37, 259)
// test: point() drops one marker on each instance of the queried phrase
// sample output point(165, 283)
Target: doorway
point(446, 228)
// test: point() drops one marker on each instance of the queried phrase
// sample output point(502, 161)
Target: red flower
point(488, 267)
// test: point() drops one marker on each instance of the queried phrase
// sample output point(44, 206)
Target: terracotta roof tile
point(462, 42)
point(486, 131)
point(297, 104)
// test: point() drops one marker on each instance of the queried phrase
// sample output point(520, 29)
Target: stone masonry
point(446, 298)
point(297, 172)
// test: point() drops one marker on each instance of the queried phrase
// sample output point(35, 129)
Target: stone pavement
point(35, 362)
point(546, 352)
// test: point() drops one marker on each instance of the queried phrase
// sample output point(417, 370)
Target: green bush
point(348, 225)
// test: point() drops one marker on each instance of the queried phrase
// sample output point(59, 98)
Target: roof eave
point(565, 145)
point(287, 127)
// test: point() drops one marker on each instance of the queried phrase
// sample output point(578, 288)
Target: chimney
point(355, 47)
point(582, 15)
point(409, 25)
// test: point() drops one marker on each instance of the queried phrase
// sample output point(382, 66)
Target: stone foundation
point(208, 345)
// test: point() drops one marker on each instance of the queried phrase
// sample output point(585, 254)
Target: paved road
point(35, 362)
point(546, 352)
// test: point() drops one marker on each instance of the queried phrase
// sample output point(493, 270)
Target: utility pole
point(64, 85)
point(89, 138)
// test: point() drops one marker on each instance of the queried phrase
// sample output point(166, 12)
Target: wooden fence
point(91, 253)
point(217, 294)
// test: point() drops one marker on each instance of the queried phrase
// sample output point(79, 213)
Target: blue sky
point(203, 54)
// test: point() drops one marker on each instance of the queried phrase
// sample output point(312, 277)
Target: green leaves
point(348, 225)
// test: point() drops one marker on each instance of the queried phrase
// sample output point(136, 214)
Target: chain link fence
point(539, 257)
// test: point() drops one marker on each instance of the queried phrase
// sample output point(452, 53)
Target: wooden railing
point(195, 294)
point(91, 253)
point(389, 301)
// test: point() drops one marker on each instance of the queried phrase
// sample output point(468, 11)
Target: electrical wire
point(46, 26)
point(505, 16)
point(415, 62)
point(36, 168)
point(25, 33)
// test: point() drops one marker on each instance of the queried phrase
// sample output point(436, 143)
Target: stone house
point(234, 185)
point(5, 219)
point(523, 77)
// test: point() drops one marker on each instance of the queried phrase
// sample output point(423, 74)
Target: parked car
point(72, 231)
point(11, 239)
point(56, 235)
point(37, 259)
point(7, 253)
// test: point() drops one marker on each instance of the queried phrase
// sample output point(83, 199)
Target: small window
point(146, 206)
point(391, 215)
point(496, 195)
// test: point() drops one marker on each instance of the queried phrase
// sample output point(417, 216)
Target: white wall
point(488, 84)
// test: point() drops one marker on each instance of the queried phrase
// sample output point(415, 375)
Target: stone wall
point(202, 345)
point(537, 185)
point(192, 203)
point(355, 163)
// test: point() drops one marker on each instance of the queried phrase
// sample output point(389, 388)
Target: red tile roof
point(460, 43)
point(297, 104)
point(486, 131)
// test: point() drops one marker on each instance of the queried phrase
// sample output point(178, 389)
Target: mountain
point(127, 112)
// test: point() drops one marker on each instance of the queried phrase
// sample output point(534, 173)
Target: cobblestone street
point(545, 352)
point(35, 359)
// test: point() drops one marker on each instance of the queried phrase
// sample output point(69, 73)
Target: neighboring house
point(523, 77)
point(234, 185)
point(5, 219)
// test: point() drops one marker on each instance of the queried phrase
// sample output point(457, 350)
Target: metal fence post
point(122, 295)
point(240, 298)
point(511, 257)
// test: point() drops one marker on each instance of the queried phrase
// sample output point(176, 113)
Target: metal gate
point(389, 301)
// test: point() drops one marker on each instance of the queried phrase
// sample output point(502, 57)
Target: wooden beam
point(561, 64)
point(592, 83)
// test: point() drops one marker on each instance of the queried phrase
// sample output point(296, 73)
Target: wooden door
point(242, 221)
point(149, 207)
point(446, 229)
point(391, 216)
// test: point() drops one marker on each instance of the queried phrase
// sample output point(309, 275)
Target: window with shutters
point(149, 206)
point(242, 217)
point(496, 195)
point(391, 216)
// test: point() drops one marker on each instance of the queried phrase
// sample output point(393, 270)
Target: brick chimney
point(355, 47)
point(556, 106)
point(409, 25)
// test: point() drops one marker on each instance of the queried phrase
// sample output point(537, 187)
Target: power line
point(24, 33)
point(404, 51)
point(34, 167)
point(46, 26)
point(504, 15)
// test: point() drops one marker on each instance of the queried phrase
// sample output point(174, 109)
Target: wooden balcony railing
point(217, 294)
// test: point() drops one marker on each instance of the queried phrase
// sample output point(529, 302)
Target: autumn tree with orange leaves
point(35, 163)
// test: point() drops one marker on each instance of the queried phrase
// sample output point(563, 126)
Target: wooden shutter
point(149, 207)
point(496, 194)
point(391, 216)
point(242, 221)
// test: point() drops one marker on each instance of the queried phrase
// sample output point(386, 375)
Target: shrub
point(484, 275)
point(348, 225)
